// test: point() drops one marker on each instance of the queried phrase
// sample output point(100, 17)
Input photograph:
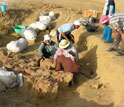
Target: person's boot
point(119, 54)
point(111, 49)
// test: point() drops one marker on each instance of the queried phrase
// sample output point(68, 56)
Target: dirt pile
point(44, 80)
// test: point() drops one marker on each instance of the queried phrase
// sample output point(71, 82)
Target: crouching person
point(47, 48)
point(67, 64)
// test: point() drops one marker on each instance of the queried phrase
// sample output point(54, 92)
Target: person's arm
point(115, 32)
point(56, 46)
point(72, 37)
point(63, 34)
point(40, 49)
point(122, 34)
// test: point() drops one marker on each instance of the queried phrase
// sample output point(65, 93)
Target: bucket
point(3, 7)
point(19, 28)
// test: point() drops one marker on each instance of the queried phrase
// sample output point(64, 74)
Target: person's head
point(104, 20)
point(77, 24)
point(47, 39)
point(64, 44)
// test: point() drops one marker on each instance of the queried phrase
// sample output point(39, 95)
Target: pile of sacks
point(42, 24)
point(29, 34)
point(44, 21)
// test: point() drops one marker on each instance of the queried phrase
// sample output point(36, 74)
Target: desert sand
point(105, 89)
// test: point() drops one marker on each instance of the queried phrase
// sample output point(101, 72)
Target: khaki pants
point(116, 42)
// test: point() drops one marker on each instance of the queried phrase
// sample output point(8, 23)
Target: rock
point(3, 58)
point(46, 88)
point(19, 69)
point(31, 42)
point(97, 86)
point(4, 29)
point(46, 64)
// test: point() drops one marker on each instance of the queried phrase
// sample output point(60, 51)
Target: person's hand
point(122, 36)
point(115, 32)
point(51, 57)
point(42, 58)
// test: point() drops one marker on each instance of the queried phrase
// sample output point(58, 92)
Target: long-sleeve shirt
point(117, 21)
point(48, 48)
point(67, 64)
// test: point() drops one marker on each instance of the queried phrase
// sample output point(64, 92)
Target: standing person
point(64, 31)
point(116, 22)
point(109, 8)
point(47, 48)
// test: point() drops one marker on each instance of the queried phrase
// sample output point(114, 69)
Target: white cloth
point(76, 22)
point(47, 37)
point(71, 48)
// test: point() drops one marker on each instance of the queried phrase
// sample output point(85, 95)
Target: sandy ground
point(86, 93)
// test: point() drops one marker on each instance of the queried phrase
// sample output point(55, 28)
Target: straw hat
point(64, 43)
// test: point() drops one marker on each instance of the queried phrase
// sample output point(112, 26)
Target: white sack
point(18, 45)
point(42, 25)
point(52, 15)
point(53, 33)
point(8, 78)
point(45, 18)
point(29, 34)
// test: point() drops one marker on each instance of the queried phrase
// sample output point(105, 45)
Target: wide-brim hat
point(64, 43)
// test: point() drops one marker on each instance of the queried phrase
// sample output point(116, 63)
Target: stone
point(31, 42)
point(3, 58)
point(46, 64)
point(96, 86)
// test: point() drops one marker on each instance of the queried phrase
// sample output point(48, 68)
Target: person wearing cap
point(64, 31)
point(68, 50)
point(109, 8)
point(116, 23)
point(47, 48)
